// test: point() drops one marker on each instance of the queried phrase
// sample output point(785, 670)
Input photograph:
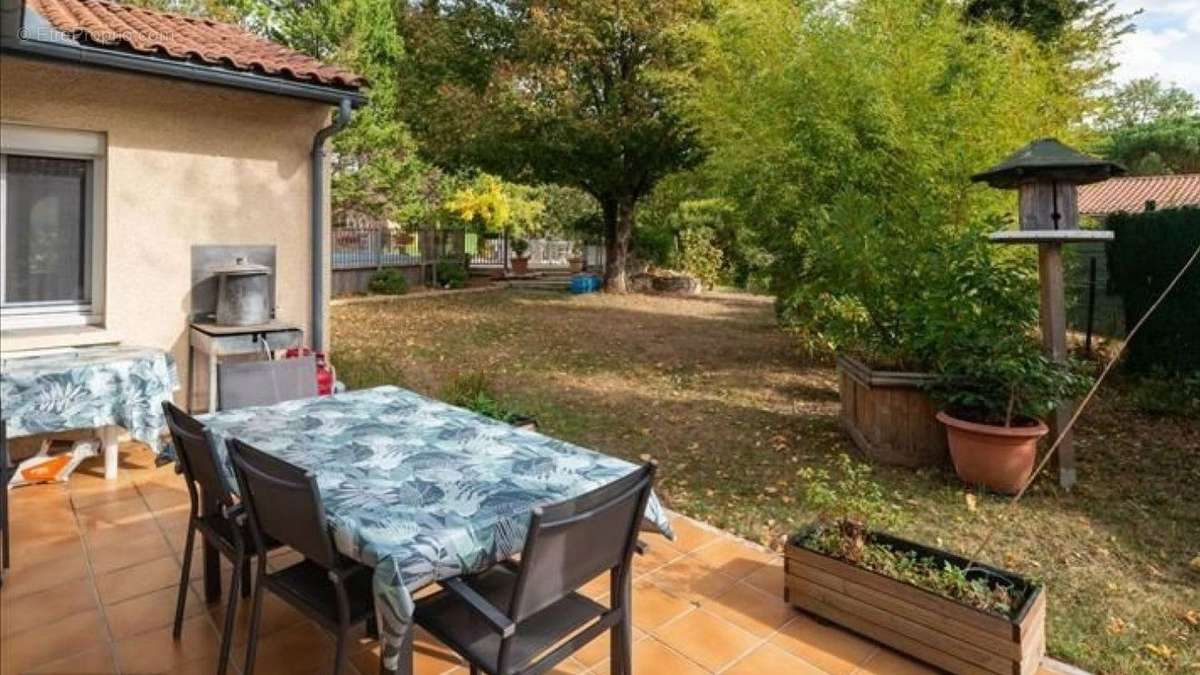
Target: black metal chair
point(502, 619)
point(5, 475)
point(252, 383)
point(285, 505)
point(215, 513)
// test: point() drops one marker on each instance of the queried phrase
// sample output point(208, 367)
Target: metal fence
point(359, 247)
point(544, 253)
point(486, 251)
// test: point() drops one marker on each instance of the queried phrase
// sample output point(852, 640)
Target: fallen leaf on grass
point(1161, 651)
point(971, 502)
point(1195, 564)
point(1116, 625)
point(1191, 616)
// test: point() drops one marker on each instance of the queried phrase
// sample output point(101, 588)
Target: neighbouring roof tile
point(1131, 193)
point(186, 38)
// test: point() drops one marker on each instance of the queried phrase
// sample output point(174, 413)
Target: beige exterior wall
point(187, 164)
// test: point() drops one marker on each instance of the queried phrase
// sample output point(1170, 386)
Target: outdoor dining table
point(417, 489)
point(102, 387)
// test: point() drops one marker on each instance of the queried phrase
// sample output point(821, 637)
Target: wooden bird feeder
point(1046, 174)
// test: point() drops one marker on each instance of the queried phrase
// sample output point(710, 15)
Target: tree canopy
point(1147, 100)
point(1170, 145)
point(578, 94)
point(845, 137)
point(1151, 128)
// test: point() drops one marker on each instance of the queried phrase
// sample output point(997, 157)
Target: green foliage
point(678, 205)
point(699, 256)
point(853, 505)
point(519, 247)
point(474, 391)
point(1045, 19)
point(1152, 128)
point(1161, 146)
point(1167, 395)
point(388, 281)
point(229, 11)
point(587, 227)
point(849, 493)
point(377, 173)
point(1147, 100)
point(564, 210)
point(975, 322)
point(1081, 33)
point(846, 141)
point(497, 206)
point(575, 93)
point(1149, 250)
point(451, 273)
point(1005, 384)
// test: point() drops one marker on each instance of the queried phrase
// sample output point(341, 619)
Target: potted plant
point(959, 615)
point(993, 381)
point(994, 388)
point(520, 261)
point(576, 263)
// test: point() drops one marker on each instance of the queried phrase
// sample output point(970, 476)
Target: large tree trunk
point(618, 231)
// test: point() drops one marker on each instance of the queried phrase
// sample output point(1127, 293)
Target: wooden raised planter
point(889, 415)
point(926, 626)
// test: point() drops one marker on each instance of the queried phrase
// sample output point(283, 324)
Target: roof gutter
point(317, 214)
point(66, 50)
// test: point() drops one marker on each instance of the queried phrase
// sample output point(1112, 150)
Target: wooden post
point(1091, 306)
point(1054, 340)
point(504, 251)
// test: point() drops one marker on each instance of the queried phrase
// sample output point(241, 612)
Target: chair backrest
point(251, 383)
point(197, 452)
point(283, 502)
point(572, 542)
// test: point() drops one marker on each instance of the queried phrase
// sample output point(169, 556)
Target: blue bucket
point(586, 283)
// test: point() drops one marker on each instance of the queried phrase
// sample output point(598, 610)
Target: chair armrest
point(486, 610)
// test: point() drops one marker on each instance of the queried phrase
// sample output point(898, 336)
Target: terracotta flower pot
point(999, 458)
point(520, 265)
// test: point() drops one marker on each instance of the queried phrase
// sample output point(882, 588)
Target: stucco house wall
point(187, 164)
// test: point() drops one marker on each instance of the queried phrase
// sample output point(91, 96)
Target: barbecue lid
point(240, 267)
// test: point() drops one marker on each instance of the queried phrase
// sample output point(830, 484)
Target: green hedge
point(1149, 250)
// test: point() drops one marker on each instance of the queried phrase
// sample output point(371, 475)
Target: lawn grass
point(719, 395)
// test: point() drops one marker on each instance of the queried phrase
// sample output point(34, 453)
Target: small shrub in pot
point(960, 615)
point(995, 382)
point(520, 261)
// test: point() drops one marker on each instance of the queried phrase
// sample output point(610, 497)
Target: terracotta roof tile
point(186, 38)
point(1131, 193)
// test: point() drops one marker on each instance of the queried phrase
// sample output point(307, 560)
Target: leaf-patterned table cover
point(419, 489)
point(87, 388)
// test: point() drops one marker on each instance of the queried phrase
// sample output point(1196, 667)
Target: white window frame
point(21, 139)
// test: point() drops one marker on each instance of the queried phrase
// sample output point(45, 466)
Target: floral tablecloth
point(419, 489)
point(88, 388)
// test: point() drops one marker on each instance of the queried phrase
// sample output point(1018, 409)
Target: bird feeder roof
point(1048, 159)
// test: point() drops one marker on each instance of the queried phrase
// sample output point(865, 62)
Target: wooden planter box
point(926, 626)
point(889, 416)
